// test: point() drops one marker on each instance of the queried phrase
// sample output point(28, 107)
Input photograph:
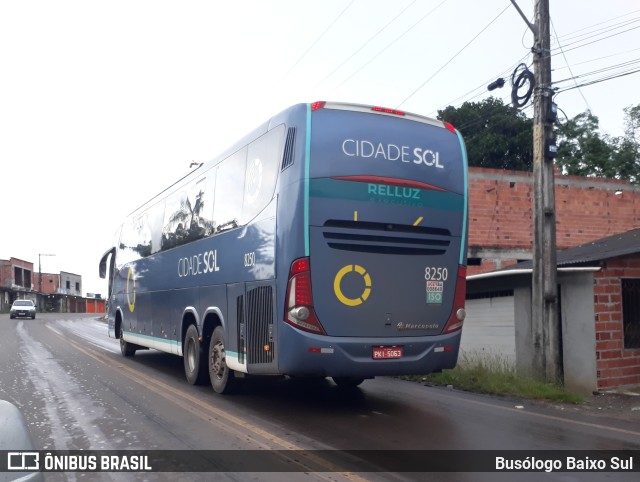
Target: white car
point(24, 308)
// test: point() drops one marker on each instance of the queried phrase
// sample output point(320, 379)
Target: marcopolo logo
point(391, 152)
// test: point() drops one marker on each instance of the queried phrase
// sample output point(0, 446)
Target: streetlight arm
point(534, 28)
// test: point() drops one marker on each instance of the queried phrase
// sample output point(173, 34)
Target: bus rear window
point(348, 143)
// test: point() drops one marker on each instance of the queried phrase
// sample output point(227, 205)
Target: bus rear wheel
point(195, 360)
point(126, 348)
point(221, 375)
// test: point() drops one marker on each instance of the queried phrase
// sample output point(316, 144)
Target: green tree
point(497, 136)
point(583, 151)
point(627, 156)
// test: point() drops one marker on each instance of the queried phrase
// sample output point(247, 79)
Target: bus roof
point(264, 127)
point(379, 110)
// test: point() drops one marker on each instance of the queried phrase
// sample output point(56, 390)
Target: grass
point(497, 375)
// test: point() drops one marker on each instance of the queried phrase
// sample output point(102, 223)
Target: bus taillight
point(450, 127)
point(386, 110)
point(299, 310)
point(458, 313)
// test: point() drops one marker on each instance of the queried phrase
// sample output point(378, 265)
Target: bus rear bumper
point(306, 354)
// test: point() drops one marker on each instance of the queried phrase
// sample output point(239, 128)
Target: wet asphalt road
point(77, 392)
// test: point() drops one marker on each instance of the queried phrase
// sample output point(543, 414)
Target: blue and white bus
point(329, 242)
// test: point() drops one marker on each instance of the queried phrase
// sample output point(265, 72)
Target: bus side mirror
point(103, 262)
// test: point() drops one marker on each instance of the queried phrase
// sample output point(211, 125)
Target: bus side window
point(263, 162)
point(155, 216)
point(131, 246)
point(227, 207)
point(174, 231)
point(201, 195)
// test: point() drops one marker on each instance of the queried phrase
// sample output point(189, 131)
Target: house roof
point(579, 258)
point(604, 248)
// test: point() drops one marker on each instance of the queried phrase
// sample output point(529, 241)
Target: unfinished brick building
point(597, 232)
point(501, 217)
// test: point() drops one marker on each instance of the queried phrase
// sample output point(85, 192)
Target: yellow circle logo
point(338, 280)
point(131, 277)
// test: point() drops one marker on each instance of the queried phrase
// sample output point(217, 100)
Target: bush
point(497, 375)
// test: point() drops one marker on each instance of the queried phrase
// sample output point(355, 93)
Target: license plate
point(386, 352)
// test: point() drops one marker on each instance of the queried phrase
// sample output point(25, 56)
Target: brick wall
point(616, 366)
point(501, 214)
point(50, 283)
point(7, 271)
point(499, 209)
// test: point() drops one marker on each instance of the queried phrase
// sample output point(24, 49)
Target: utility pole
point(40, 270)
point(544, 297)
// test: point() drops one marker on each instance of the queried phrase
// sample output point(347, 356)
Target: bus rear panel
point(381, 289)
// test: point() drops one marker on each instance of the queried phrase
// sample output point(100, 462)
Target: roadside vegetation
point(496, 375)
point(492, 128)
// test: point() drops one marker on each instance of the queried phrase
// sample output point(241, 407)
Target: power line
point(491, 113)
point(597, 40)
point(597, 81)
point(601, 70)
point(320, 37)
point(366, 43)
point(572, 35)
point(389, 45)
point(600, 58)
point(600, 31)
point(605, 21)
point(527, 109)
point(482, 88)
point(452, 58)
point(566, 61)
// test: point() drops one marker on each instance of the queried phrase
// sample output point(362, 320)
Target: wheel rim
point(122, 342)
point(218, 363)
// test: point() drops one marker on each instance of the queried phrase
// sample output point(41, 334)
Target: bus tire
point(347, 382)
point(195, 361)
point(126, 348)
point(221, 375)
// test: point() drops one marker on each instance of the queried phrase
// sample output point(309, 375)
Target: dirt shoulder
point(623, 405)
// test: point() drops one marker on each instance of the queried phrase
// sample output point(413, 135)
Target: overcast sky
point(105, 103)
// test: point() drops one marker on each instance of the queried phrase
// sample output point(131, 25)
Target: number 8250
point(431, 273)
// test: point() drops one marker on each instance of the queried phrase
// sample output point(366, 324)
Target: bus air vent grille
point(259, 320)
point(287, 157)
point(385, 238)
point(241, 328)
